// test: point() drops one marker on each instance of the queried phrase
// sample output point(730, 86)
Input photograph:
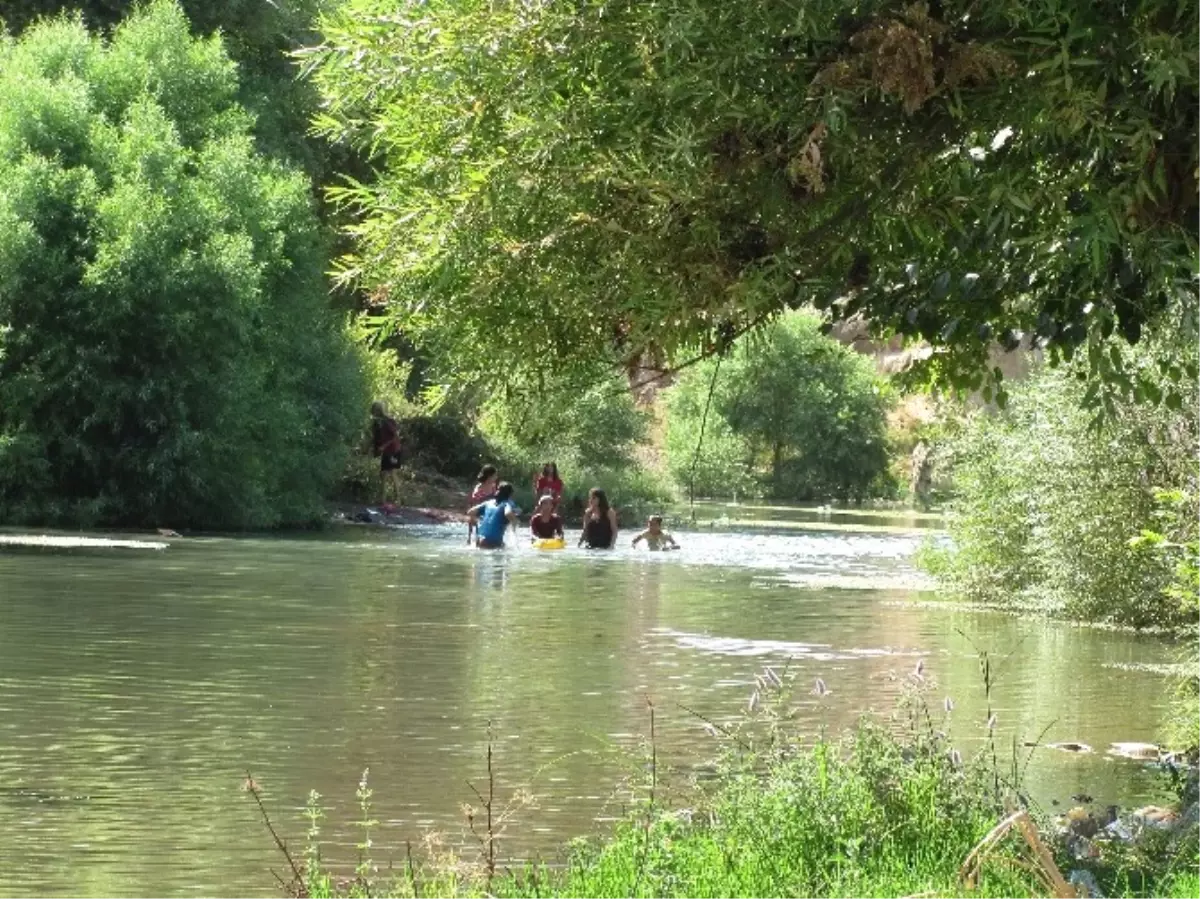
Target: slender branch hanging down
point(561, 182)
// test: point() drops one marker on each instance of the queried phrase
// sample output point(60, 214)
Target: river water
point(138, 687)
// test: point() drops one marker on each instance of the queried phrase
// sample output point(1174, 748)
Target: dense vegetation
point(593, 429)
point(791, 410)
point(1098, 521)
point(650, 180)
point(257, 36)
point(167, 354)
point(1055, 512)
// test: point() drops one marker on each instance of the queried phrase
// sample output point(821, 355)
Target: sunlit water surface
point(138, 687)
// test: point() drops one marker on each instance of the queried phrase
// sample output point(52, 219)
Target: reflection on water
point(766, 515)
point(137, 689)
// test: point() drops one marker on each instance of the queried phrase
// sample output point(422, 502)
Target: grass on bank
point(882, 811)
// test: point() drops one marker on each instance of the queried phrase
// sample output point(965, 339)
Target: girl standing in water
point(485, 485)
point(599, 522)
point(485, 489)
point(549, 482)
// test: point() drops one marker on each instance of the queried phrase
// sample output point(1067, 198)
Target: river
point(138, 687)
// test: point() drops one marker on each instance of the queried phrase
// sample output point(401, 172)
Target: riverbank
point(890, 809)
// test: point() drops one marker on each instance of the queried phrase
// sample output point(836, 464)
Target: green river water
point(138, 687)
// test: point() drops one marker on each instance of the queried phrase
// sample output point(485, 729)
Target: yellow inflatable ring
point(551, 543)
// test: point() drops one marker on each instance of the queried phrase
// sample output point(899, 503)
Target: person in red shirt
point(545, 524)
point(548, 482)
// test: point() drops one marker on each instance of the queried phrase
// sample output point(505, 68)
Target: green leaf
point(941, 286)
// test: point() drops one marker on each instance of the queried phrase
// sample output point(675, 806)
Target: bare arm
point(638, 539)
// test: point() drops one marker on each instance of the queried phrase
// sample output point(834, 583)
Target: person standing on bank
point(385, 443)
point(492, 518)
point(599, 522)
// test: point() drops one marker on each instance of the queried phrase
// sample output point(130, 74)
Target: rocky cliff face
point(892, 356)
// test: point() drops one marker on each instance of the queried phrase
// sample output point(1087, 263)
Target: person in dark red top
point(545, 525)
point(385, 443)
point(548, 482)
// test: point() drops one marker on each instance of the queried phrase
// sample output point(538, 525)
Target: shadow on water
point(137, 688)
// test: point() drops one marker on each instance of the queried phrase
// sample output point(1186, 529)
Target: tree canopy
point(258, 36)
point(645, 181)
point(790, 402)
point(167, 354)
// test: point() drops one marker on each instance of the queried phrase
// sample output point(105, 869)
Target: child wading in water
point(494, 516)
point(545, 525)
point(655, 536)
point(485, 489)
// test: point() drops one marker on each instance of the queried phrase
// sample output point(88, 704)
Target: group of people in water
point(493, 512)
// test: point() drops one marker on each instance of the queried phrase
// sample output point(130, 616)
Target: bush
point(592, 430)
point(167, 354)
point(444, 444)
point(792, 410)
point(1046, 505)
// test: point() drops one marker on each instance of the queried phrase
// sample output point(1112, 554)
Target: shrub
point(792, 409)
point(1046, 505)
point(591, 430)
point(167, 353)
point(444, 444)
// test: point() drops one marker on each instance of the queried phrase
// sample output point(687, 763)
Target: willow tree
point(167, 354)
point(648, 179)
point(258, 36)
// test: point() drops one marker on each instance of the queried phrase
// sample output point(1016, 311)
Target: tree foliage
point(1173, 538)
point(648, 179)
point(258, 36)
point(793, 403)
point(1098, 523)
point(166, 350)
point(591, 427)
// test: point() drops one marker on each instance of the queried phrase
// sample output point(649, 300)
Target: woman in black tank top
point(599, 522)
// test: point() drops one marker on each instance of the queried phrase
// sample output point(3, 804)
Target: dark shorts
point(389, 461)
point(488, 544)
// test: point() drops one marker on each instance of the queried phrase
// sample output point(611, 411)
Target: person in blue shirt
point(492, 517)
